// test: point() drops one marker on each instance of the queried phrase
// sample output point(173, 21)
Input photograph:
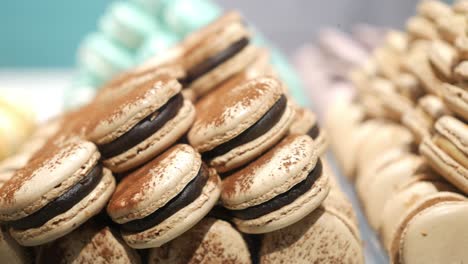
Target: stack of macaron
point(131, 32)
point(405, 144)
point(198, 156)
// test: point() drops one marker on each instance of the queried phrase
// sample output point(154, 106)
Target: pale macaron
point(251, 118)
point(324, 236)
point(164, 198)
point(447, 151)
point(456, 99)
point(443, 58)
point(57, 191)
point(409, 193)
point(138, 125)
point(210, 241)
point(11, 251)
point(93, 242)
point(420, 120)
point(216, 52)
point(376, 190)
point(432, 231)
point(306, 123)
point(277, 189)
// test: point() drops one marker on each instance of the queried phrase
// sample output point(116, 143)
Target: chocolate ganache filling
point(314, 131)
point(214, 61)
point(63, 203)
point(262, 126)
point(281, 200)
point(191, 192)
point(143, 129)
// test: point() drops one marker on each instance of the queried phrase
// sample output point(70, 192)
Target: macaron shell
point(455, 130)
point(45, 178)
point(124, 112)
point(179, 222)
point(11, 252)
point(304, 120)
point(156, 143)
point(210, 241)
point(251, 150)
point(64, 223)
point(218, 122)
point(437, 235)
point(433, 10)
point(405, 198)
point(91, 243)
point(417, 124)
point(445, 165)
point(149, 188)
point(456, 99)
point(427, 202)
point(288, 214)
point(321, 237)
point(386, 157)
point(275, 172)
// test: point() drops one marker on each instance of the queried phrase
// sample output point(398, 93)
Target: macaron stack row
point(196, 156)
point(130, 32)
point(406, 135)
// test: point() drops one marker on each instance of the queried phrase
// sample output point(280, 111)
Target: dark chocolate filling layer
point(63, 203)
point(262, 126)
point(281, 200)
point(191, 192)
point(314, 131)
point(144, 129)
point(214, 61)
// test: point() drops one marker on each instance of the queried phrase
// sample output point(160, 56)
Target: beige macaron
point(456, 99)
point(324, 236)
point(443, 58)
point(94, 242)
point(433, 9)
point(57, 191)
point(164, 198)
point(216, 52)
point(11, 251)
point(447, 151)
point(132, 129)
point(305, 123)
point(420, 121)
point(399, 204)
point(250, 118)
point(210, 241)
point(277, 189)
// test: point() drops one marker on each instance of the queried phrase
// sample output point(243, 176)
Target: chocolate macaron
point(249, 119)
point(164, 198)
point(55, 192)
point(132, 129)
point(447, 151)
point(216, 52)
point(93, 242)
point(10, 251)
point(305, 123)
point(210, 241)
point(277, 189)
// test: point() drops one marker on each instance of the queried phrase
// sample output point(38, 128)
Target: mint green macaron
point(155, 45)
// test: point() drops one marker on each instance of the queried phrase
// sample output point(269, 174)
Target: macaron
point(10, 251)
point(419, 27)
point(376, 191)
point(128, 25)
point(277, 189)
point(409, 193)
point(443, 57)
point(433, 231)
point(421, 119)
point(251, 118)
point(216, 52)
point(433, 9)
point(324, 236)
point(164, 198)
point(141, 123)
point(93, 242)
point(456, 99)
point(445, 226)
point(305, 123)
point(57, 191)
point(447, 151)
point(409, 86)
point(210, 241)
point(452, 26)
